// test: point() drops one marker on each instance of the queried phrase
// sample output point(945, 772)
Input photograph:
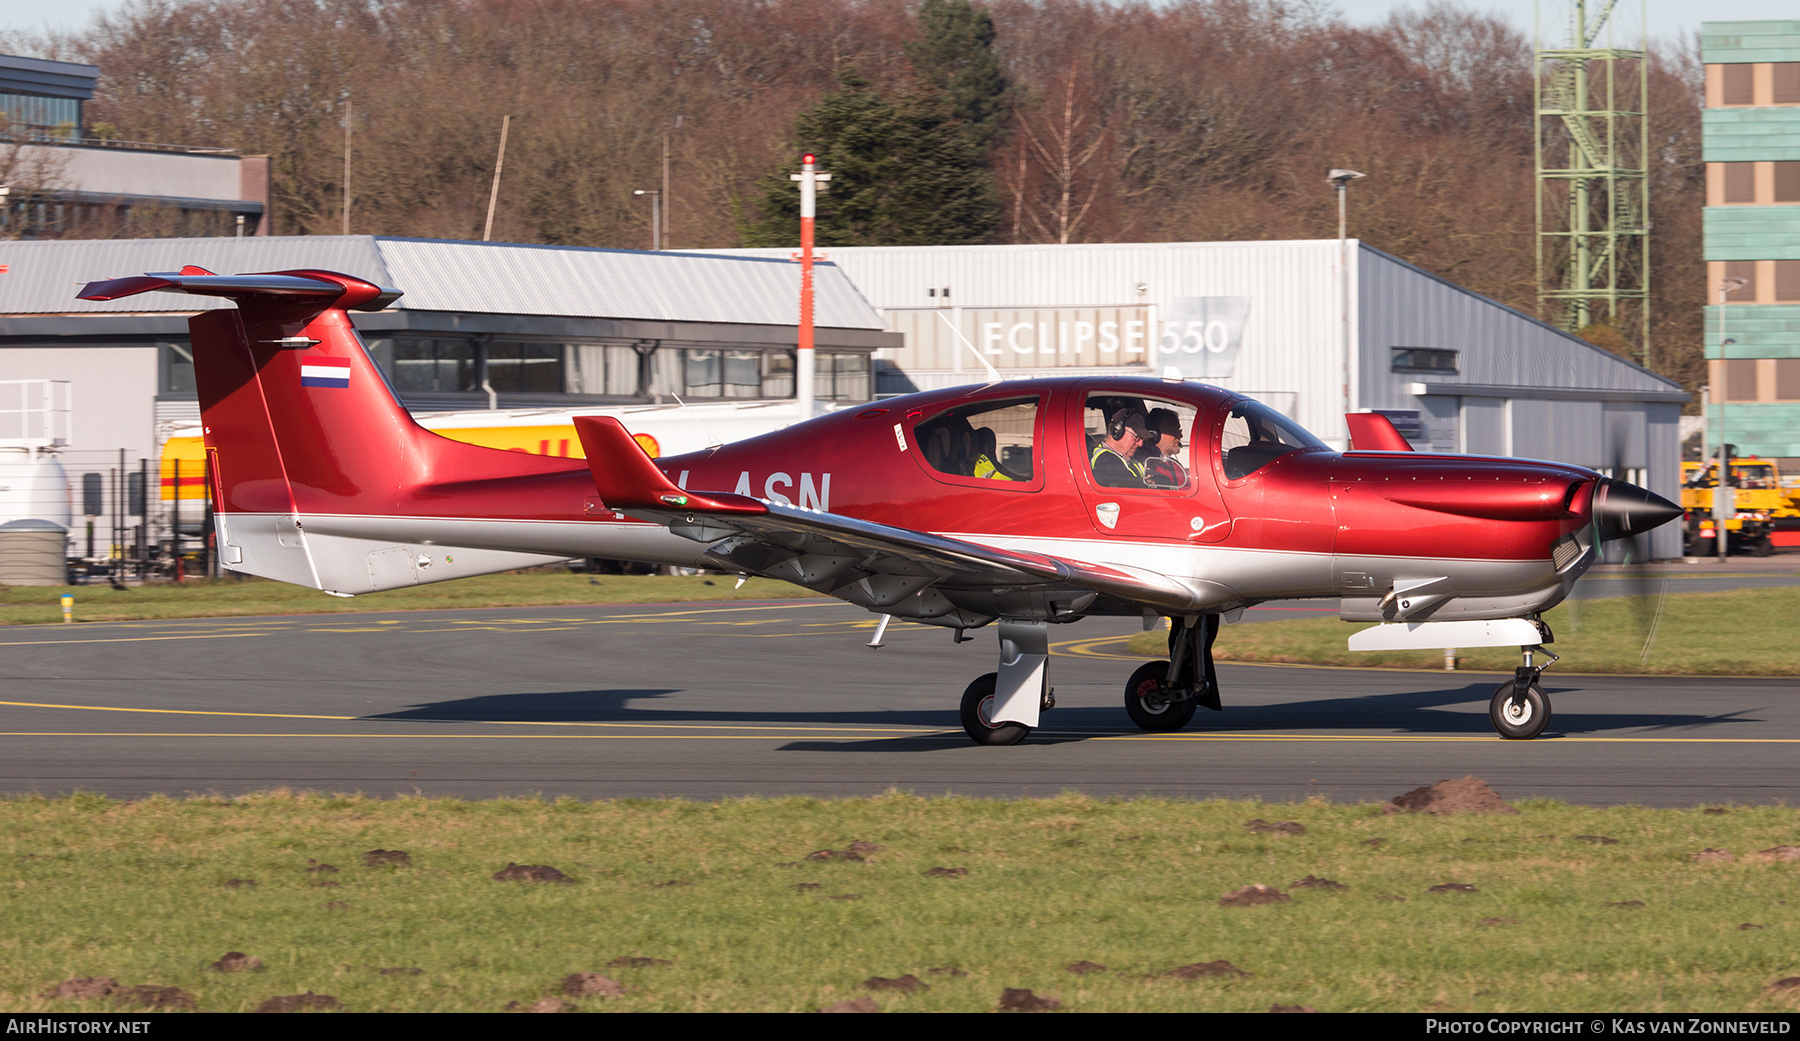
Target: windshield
point(1762, 476)
point(1256, 435)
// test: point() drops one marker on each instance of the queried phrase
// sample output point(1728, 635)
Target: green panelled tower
point(1593, 211)
point(1752, 151)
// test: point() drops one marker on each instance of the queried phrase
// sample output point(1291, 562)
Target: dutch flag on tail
point(325, 372)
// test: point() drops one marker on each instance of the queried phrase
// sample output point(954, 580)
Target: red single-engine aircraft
point(1028, 503)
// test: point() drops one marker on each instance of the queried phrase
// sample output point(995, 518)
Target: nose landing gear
point(1519, 710)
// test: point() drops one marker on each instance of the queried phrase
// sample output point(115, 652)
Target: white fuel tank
point(33, 487)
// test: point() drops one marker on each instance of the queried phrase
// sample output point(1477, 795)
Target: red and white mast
point(804, 361)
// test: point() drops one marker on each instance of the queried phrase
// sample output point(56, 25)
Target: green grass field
point(234, 597)
point(1739, 633)
point(725, 895)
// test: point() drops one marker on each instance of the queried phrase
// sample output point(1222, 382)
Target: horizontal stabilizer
point(628, 480)
point(322, 288)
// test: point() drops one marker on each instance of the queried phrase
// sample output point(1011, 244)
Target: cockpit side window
point(1138, 442)
point(990, 440)
point(1256, 435)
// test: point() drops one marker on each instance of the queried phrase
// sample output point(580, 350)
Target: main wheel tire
point(1146, 706)
point(978, 707)
point(1522, 721)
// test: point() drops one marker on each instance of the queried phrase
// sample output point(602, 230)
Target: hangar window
point(430, 366)
point(1746, 270)
point(1786, 77)
point(1787, 180)
point(177, 364)
point(1738, 81)
point(1787, 379)
point(841, 377)
point(1740, 182)
point(723, 374)
point(1423, 359)
point(1740, 379)
point(1787, 281)
point(526, 368)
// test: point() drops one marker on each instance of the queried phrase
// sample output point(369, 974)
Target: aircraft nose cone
point(1623, 510)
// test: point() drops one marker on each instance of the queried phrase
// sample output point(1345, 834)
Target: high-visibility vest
point(985, 467)
point(1132, 466)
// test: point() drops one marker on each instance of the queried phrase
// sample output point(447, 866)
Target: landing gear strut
point(1161, 696)
point(1002, 707)
point(1519, 710)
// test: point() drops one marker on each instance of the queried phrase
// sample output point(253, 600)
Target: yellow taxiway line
point(783, 733)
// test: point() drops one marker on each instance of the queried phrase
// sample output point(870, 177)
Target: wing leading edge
point(899, 571)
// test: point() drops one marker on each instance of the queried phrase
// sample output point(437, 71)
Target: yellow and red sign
point(187, 455)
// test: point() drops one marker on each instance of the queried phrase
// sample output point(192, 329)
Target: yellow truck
point(1759, 499)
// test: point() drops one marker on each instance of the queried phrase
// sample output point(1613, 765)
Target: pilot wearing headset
point(1159, 460)
point(1112, 459)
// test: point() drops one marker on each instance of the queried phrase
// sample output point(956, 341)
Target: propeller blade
point(1623, 510)
point(1625, 513)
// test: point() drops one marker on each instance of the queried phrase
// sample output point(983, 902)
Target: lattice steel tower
point(1593, 206)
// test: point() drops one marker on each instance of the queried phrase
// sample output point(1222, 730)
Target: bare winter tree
point(1182, 120)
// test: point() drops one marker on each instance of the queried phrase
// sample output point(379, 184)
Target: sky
point(1666, 18)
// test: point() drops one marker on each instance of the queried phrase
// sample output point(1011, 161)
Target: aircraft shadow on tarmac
point(638, 706)
point(1455, 711)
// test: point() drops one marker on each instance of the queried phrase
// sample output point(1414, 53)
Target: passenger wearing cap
point(1112, 457)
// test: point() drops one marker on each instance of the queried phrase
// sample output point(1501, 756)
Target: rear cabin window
point(985, 440)
point(1120, 458)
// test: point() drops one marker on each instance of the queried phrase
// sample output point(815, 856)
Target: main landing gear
point(1002, 708)
point(1519, 710)
point(1161, 696)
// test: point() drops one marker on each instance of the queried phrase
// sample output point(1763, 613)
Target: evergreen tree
point(955, 57)
point(904, 172)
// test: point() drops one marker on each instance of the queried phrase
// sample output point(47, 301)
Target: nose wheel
point(1519, 718)
point(1519, 710)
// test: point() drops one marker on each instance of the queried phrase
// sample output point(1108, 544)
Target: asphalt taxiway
point(783, 697)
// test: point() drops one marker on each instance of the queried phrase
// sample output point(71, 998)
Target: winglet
point(627, 479)
point(1374, 432)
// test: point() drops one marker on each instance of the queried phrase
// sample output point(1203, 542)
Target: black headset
point(1120, 422)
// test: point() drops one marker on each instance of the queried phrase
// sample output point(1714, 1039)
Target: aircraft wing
point(829, 552)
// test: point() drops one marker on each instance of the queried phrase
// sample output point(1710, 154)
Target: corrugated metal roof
point(43, 277)
point(467, 277)
point(616, 283)
point(1400, 305)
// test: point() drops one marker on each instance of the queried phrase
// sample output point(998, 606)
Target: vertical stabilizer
point(302, 430)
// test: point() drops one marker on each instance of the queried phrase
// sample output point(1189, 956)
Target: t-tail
point(321, 477)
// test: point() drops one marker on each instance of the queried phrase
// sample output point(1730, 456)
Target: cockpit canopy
point(1256, 435)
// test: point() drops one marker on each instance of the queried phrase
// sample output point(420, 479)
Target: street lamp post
point(655, 216)
point(1340, 180)
point(1724, 495)
point(804, 357)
